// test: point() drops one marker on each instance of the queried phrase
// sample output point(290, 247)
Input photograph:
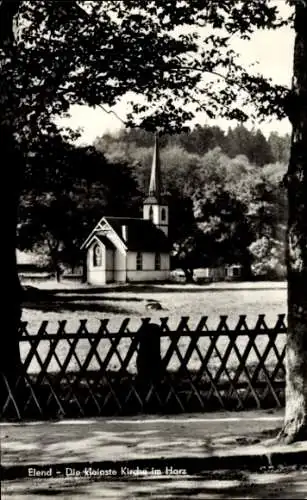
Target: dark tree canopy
point(95, 52)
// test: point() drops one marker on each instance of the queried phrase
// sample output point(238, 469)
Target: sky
point(273, 52)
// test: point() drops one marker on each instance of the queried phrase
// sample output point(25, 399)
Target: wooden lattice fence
point(153, 369)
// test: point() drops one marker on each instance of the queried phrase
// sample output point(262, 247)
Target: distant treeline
point(237, 141)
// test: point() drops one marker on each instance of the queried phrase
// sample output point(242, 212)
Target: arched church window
point(163, 215)
point(150, 213)
point(139, 261)
point(97, 257)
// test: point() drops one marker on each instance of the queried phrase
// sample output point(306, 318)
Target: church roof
point(142, 234)
point(104, 240)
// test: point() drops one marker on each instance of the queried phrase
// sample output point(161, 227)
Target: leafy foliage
point(95, 52)
point(223, 222)
point(268, 258)
point(135, 144)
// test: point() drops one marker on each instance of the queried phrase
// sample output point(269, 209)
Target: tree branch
point(110, 111)
point(213, 73)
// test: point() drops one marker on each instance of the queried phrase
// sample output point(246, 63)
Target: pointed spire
point(155, 184)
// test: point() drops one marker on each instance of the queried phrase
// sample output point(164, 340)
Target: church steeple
point(155, 184)
point(155, 208)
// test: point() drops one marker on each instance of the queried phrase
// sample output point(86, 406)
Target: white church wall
point(165, 261)
point(163, 221)
point(139, 276)
point(155, 212)
point(96, 274)
point(109, 265)
point(119, 265)
point(148, 272)
point(157, 219)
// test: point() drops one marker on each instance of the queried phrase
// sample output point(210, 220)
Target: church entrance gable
point(98, 259)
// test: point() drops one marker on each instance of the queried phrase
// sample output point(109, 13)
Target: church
point(126, 249)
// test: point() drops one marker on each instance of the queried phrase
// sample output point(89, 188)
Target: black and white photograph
point(154, 236)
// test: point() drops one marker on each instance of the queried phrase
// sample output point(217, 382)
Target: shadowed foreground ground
point(140, 437)
point(191, 444)
point(64, 301)
point(287, 483)
point(194, 441)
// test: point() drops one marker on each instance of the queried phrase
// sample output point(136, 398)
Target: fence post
point(148, 362)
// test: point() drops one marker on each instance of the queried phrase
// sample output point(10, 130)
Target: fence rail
point(154, 369)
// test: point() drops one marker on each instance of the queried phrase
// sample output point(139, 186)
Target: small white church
point(126, 249)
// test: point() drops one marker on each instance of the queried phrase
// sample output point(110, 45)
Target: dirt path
point(237, 485)
point(134, 438)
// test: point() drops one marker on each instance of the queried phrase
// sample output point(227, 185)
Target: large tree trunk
point(11, 164)
point(295, 425)
point(189, 275)
point(12, 293)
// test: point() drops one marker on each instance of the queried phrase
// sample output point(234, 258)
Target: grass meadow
point(73, 302)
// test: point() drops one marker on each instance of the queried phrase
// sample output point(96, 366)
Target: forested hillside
point(226, 196)
point(226, 193)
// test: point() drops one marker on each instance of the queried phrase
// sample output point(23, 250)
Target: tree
point(259, 151)
point(186, 238)
point(295, 426)
point(76, 185)
point(181, 168)
point(263, 209)
point(186, 255)
point(10, 357)
point(226, 235)
point(213, 168)
point(238, 141)
point(280, 147)
point(252, 144)
point(268, 258)
point(96, 52)
point(182, 172)
point(203, 138)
